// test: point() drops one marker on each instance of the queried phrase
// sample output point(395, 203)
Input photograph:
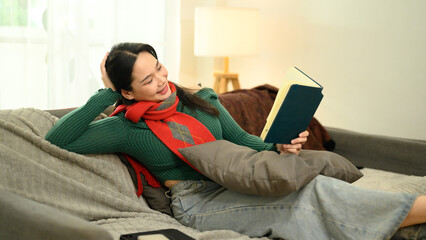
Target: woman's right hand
point(296, 144)
point(104, 75)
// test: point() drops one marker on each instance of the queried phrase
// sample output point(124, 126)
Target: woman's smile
point(164, 90)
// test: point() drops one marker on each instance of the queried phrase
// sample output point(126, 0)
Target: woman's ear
point(127, 94)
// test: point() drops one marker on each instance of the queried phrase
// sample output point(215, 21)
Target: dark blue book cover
point(296, 111)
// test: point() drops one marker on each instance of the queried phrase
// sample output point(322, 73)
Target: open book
point(296, 103)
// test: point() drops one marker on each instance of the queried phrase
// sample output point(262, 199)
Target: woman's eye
point(150, 81)
point(159, 68)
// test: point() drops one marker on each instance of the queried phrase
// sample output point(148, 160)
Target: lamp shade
point(224, 32)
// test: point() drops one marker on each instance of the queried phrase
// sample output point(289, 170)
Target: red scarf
point(175, 129)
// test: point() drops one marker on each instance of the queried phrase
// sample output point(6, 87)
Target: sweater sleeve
point(77, 132)
point(232, 132)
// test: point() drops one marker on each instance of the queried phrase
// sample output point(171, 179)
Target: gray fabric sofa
point(34, 208)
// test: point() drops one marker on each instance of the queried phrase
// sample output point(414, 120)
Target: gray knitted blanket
point(97, 188)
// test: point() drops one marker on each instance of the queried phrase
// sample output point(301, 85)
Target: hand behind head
point(105, 79)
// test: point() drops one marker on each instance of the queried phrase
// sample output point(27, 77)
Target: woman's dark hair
point(193, 101)
point(119, 67)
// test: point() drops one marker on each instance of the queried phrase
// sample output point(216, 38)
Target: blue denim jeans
point(325, 208)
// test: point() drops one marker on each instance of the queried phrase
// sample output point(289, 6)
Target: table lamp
point(226, 32)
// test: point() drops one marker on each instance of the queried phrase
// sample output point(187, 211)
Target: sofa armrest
point(22, 218)
point(393, 154)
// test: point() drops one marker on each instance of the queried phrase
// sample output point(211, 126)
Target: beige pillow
point(265, 173)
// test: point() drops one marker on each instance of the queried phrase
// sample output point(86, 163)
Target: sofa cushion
point(265, 173)
point(391, 181)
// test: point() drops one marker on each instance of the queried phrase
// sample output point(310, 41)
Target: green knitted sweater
point(77, 132)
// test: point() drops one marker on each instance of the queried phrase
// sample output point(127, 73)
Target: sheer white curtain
point(50, 58)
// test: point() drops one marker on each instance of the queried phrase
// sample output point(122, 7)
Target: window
point(50, 50)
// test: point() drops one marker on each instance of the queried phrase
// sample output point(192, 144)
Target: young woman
point(142, 127)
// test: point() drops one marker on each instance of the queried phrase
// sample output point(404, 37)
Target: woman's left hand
point(295, 146)
point(104, 75)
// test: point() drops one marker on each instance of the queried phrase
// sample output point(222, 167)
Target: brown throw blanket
point(250, 108)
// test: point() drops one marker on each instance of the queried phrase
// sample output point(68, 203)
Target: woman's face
point(149, 80)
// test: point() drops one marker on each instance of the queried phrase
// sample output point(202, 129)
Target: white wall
point(370, 56)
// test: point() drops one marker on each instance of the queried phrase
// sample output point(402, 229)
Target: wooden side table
point(221, 81)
